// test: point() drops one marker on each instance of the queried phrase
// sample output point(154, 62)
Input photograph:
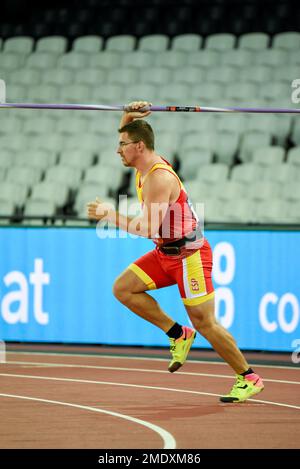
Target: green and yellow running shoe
point(244, 387)
point(180, 348)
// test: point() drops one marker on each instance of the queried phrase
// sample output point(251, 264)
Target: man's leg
point(247, 383)
point(129, 289)
point(204, 321)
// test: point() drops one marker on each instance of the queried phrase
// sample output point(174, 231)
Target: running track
point(72, 398)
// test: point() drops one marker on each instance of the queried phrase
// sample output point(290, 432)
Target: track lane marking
point(142, 370)
point(203, 362)
point(168, 439)
point(158, 388)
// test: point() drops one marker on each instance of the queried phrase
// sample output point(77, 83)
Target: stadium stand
point(113, 52)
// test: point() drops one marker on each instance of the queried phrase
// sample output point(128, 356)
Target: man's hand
point(99, 210)
point(133, 110)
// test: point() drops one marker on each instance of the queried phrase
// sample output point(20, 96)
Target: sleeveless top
point(180, 219)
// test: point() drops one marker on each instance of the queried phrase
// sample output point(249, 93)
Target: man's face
point(127, 149)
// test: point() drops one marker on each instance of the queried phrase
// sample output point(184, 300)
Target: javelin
point(102, 107)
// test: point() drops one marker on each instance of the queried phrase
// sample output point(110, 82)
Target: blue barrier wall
point(55, 286)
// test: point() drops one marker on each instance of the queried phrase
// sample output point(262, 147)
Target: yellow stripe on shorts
point(143, 276)
point(198, 300)
point(193, 276)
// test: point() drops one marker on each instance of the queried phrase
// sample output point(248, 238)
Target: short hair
point(140, 130)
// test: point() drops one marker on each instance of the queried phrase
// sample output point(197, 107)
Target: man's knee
point(203, 318)
point(120, 290)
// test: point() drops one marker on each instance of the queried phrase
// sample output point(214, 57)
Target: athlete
point(181, 256)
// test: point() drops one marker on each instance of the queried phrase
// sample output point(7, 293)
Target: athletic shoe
point(180, 348)
point(244, 387)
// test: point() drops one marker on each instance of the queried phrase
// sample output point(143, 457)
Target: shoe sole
point(232, 400)
point(176, 365)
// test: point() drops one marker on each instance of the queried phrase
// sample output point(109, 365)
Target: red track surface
point(183, 406)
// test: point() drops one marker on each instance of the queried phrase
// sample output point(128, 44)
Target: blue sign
point(56, 286)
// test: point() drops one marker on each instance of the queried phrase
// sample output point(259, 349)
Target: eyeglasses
point(123, 144)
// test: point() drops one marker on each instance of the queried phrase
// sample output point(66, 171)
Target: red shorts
point(191, 272)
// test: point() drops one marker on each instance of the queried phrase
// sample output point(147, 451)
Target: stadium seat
point(263, 190)
point(128, 76)
point(65, 175)
point(19, 45)
point(250, 141)
point(16, 93)
point(222, 74)
point(253, 41)
point(40, 159)
point(220, 41)
point(41, 61)
point(26, 77)
point(267, 156)
point(243, 92)
point(156, 76)
point(7, 209)
point(241, 210)
point(170, 58)
point(38, 125)
point(76, 159)
point(237, 57)
point(75, 93)
point(138, 59)
point(87, 193)
point(13, 192)
point(198, 190)
point(186, 42)
point(50, 191)
point(154, 43)
point(203, 58)
point(11, 125)
point(73, 60)
point(213, 173)
point(91, 76)
point(271, 57)
point(7, 157)
point(259, 74)
point(293, 156)
point(58, 77)
point(24, 175)
point(287, 40)
point(121, 43)
point(191, 160)
point(88, 44)
point(189, 75)
point(103, 175)
point(272, 211)
point(39, 208)
point(226, 146)
point(11, 61)
point(246, 173)
point(53, 44)
point(236, 123)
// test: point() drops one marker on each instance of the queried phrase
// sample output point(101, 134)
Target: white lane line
point(168, 439)
point(141, 370)
point(158, 388)
point(118, 357)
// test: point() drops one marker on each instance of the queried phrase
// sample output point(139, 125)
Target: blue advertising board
point(56, 286)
